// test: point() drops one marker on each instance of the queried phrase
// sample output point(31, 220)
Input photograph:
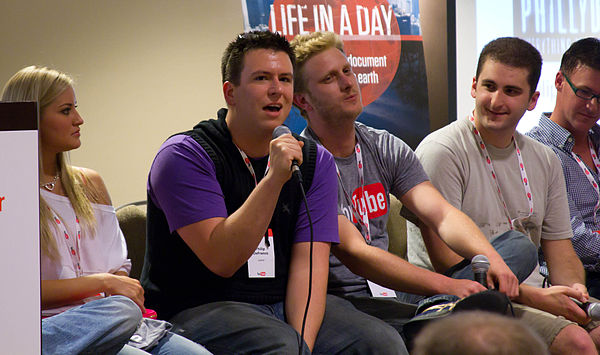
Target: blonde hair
point(307, 45)
point(44, 85)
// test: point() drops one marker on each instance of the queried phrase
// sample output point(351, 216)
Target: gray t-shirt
point(390, 166)
point(454, 162)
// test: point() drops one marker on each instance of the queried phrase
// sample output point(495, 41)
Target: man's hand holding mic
point(285, 151)
point(501, 277)
point(565, 301)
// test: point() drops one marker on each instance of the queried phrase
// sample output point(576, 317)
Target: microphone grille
point(594, 311)
point(280, 130)
point(480, 262)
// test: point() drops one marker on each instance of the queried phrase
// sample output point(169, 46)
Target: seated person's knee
point(573, 340)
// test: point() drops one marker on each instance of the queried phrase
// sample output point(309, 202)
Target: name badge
point(380, 291)
point(262, 262)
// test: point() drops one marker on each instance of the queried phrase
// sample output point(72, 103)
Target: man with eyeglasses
point(572, 132)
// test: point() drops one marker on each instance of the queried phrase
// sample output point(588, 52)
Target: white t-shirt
point(106, 251)
point(454, 163)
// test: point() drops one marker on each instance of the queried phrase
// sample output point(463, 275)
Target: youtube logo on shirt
point(373, 200)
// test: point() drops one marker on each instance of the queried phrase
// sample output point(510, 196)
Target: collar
point(309, 133)
point(558, 136)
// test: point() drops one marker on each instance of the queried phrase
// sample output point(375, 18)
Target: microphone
point(592, 309)
point(480, 266)
point(279, 131)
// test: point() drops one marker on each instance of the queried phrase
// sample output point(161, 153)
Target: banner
point(552, 25)
point(383, 44)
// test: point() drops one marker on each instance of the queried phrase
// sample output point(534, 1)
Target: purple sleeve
point(183, 184)
point(322, 203)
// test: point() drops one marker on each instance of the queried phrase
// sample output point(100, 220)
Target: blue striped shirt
point(582, 196)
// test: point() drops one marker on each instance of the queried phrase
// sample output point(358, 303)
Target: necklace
point(50, 185)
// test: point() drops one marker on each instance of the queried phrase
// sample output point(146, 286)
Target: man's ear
point(474, 88)
point(533, 101)
point(558, 81)
point(229, 93)
point(301, 101)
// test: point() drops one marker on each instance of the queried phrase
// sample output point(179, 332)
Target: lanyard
point(359, 211)
point(490, 167)
point(588, 174)
point(71, 241)
point(251, 170)
point(249, 165)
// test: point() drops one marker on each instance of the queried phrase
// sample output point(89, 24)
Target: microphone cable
point(310, 268)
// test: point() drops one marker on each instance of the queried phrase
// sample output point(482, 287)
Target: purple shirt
point(183, 184)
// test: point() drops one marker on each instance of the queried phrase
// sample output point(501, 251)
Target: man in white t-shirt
point(505, 182)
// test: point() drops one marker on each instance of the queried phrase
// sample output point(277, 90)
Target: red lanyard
point(71, 241)
point(359, 210)
point(249, 165)
point(490, 166)
point(588, 174)
point(269, 233)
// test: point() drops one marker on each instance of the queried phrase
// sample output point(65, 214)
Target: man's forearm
point(568, 273)
point(389, 270)
point(464, 237)
point(564, 265)
point(244, 228)
point(297, 289)
point(457, 230)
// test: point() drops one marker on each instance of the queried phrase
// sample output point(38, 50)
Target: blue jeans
point(102, 326)
point(235, 327)
point(517, 250)
point(170, 344)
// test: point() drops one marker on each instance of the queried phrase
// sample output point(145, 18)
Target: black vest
point(175, 279)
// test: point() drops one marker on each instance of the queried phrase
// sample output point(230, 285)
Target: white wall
point(466, 55)
point(145, 69)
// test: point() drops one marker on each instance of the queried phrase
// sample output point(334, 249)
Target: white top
point(454, 163)
point(105, 252)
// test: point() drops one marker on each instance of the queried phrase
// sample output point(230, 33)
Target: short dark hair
point(478, 333)
point(514, 52)
point(232, 61)
point(585, 51)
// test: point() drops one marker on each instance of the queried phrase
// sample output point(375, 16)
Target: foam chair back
point(132, 220)
point(396, 228)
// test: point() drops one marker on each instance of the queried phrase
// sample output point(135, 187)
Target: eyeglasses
point(581, 93)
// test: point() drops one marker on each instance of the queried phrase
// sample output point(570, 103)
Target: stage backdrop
point(383, 43)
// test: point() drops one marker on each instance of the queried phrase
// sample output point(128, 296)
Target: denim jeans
point(170, 344)
point(235, 327)
point(102, 326)
point(517, 250)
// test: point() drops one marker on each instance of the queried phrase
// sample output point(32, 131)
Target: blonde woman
point(91, 305)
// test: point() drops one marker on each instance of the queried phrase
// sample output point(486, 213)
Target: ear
point(533, 101)
point(558, 81)
point(474, 88)
point(301, 101)
point(229, 93)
